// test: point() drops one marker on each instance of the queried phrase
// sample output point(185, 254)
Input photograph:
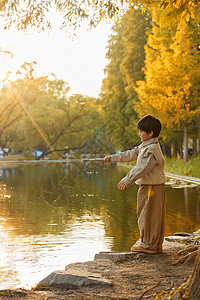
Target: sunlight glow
point(79, 59)
point(33, 257)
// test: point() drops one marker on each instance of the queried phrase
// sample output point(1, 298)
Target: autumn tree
point(170, 66)
point(194, 25)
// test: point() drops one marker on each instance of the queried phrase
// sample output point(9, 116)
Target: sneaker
point(136, 248)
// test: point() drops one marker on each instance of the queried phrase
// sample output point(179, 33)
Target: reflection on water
point(55, 214)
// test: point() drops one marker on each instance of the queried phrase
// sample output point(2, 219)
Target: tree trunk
point(194, 285)
point(198, 202)
point(166, 150)
point(175, 149)
point(198, 134)
point(185, 146)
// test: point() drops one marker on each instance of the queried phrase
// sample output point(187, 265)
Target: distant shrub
point(77, 155)
point(54, 156)
point(28, 155)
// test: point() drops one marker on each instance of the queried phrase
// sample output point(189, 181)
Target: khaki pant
point(151, 215)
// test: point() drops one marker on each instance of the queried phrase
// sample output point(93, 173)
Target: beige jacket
point(149, 168)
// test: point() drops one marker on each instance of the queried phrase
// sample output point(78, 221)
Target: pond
point(54, 214)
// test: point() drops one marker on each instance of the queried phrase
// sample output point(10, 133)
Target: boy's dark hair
point(150, 123)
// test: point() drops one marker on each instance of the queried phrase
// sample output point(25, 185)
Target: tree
point(136, 25)
point(194, 286)
point(194, 25)
point(170, 66)
point(54, 121)
point(126, 59)
point(39, 13)
point(13, 96)
point(82, 118)
point(114, 98)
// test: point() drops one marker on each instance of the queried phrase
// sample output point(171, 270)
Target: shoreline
point(170, 175)
point(114, 276)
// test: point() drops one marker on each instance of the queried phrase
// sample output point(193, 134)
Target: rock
point(115, 256)
point(89, 267)
point(91, 273)
point(125, 256)
point(73, 278)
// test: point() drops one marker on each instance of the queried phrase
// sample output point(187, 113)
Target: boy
point(149, 175)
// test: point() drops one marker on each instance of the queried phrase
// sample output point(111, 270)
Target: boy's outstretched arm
point(128, 155)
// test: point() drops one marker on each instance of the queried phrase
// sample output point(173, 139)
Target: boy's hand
point(107, 158)
point(121, 185)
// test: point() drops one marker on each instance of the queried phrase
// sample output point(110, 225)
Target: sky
point(79, 60)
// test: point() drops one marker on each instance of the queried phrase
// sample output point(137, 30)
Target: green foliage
point(14, 96)
point(36, 113)
point(28, 155)
point(54, 156)
point(126, 59)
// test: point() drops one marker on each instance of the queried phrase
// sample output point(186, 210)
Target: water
point(54, 214)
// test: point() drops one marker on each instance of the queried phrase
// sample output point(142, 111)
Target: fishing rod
point(93, 159)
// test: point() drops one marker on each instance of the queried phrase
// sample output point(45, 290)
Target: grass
point(177, 166)
point(10, 157)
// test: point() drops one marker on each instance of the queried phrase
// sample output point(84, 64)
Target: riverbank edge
point(170, 175)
